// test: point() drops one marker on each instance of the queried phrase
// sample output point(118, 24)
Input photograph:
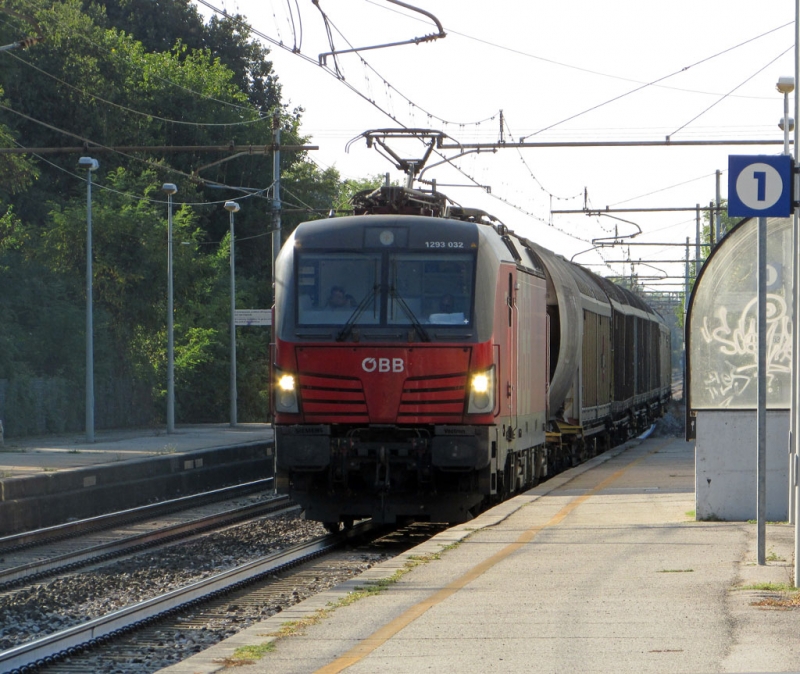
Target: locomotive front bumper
point(303, 446)
point(311, 447)
point(461, 447)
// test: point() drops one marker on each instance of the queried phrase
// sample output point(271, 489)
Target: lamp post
point(170, 189)
point(785, 86)
point(232, 207)
point(90, 165)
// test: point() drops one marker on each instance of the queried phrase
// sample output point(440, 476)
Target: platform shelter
point(721, 373)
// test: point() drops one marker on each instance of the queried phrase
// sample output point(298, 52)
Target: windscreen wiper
point(421, 332)
point(344, 333)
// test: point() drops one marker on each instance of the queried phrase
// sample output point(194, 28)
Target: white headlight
point(481, 392)
point(286, 395)
point(480, 383)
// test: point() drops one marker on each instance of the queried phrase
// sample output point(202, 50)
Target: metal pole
point(170, 329)
point(170, 189)
point(786, 123)
point(685, 313)
point(794, 391)
point(761, 414)
point(697, 241)
point(796, 264)
point(276, 193)
point(91, 165)
point(232, 207)
point(712, 238)
point(233, 329)
point(718, 216)
point(276, 246)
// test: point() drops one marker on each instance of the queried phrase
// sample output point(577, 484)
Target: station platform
point(49, 480)
point(602, 568)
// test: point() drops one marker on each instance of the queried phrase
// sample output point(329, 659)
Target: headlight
point(480, 383)
point(481, 392)
point(286, 395)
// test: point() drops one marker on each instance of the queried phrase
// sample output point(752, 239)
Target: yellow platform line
point(381, 636)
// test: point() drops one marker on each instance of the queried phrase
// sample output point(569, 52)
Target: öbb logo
point(383, 365)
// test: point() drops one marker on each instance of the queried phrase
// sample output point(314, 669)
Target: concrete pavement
point(601, 569)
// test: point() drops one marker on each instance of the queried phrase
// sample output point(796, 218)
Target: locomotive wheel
point(332, 527)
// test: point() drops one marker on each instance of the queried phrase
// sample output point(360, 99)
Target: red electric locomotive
point(428, 365)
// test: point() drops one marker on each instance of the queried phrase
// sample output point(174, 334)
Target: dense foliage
point(139, 73)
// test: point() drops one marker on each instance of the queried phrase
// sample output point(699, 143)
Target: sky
point(568, 71)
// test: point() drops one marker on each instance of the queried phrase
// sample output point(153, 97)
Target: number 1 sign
point(760, 185)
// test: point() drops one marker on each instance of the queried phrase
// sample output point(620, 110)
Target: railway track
point(53, 558)
point(132, 639)
point(51, 535)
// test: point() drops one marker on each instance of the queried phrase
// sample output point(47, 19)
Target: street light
point(786, 86)
point(90, 165)
point(170, 189)
point(232, 207)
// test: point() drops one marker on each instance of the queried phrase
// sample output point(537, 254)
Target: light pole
point(90, 165)
point(785, 86)
point(170, 189)
point(232, 207)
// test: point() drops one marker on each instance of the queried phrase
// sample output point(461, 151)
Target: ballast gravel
point(34, 611)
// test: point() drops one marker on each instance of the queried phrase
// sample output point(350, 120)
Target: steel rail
point(53, 647)
point(39, 536)
point(104, 551)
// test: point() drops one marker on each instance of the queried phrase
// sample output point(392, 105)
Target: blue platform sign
point(760, 185)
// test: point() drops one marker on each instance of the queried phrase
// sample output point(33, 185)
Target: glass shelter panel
point(723, 325)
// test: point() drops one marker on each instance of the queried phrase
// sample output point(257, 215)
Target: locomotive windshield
point(332, 286)
point(388, 288)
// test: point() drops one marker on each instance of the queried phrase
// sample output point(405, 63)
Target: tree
point(182, 86)
point(160, 26)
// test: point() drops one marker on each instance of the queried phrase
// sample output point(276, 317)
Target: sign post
point(253, 317)
point(761, 186)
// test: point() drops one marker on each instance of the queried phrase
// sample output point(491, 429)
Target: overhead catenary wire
point(394, 118)
point(570, 66)
point(649, 84)
point(669, 136)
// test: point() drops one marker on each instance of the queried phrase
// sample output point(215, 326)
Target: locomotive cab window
point(430, 289)
point(389, 288)
point(332, 287)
